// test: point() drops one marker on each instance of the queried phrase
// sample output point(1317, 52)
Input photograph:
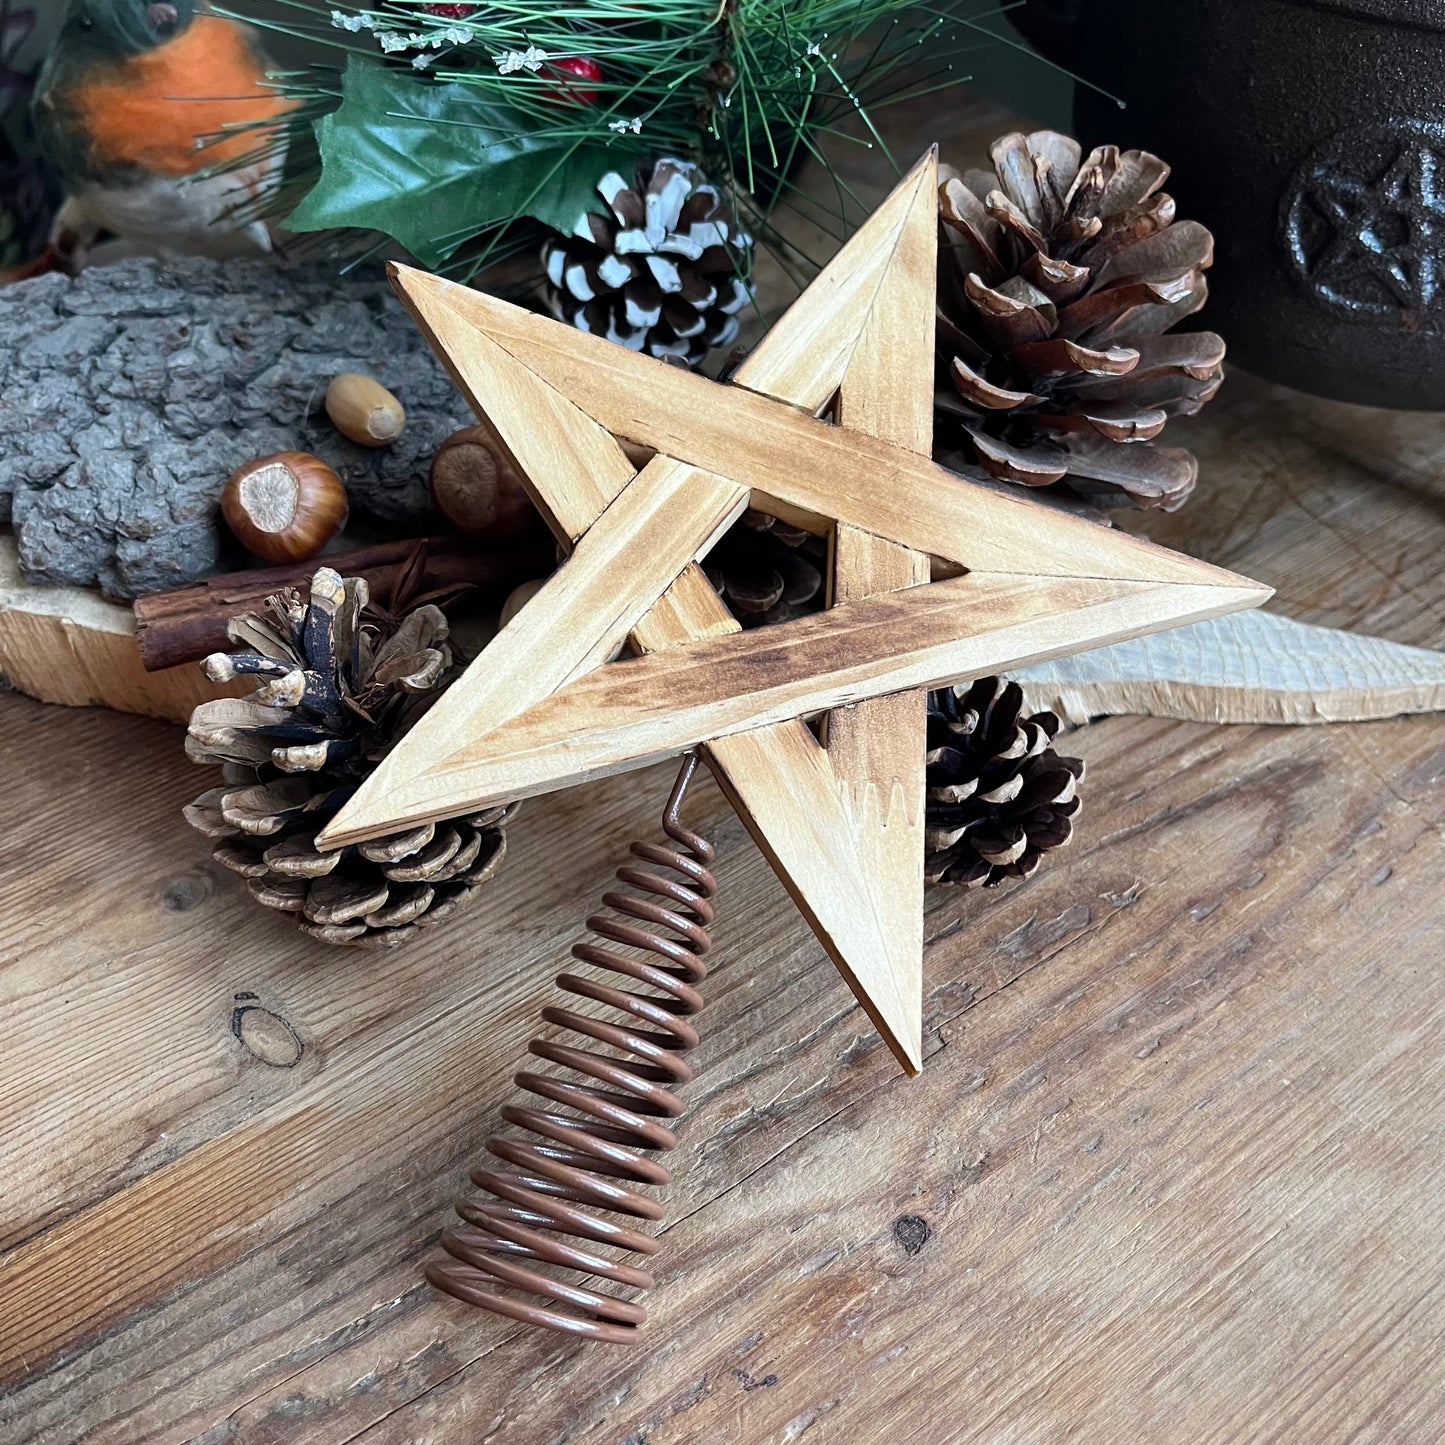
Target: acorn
point(364, 410)
point(285, 507)
point(477, 489)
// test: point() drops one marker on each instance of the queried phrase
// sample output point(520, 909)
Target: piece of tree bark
point(129, 395)
point(1252, 667)
point(190, 623)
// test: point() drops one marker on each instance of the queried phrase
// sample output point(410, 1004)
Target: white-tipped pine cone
point(665, 272)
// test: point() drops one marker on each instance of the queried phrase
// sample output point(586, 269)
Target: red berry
point(565, 91)
point(450, 12)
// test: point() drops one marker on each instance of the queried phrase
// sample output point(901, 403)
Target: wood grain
point(666, 517)
point(886, 490)
point(642, 710)
point(1132, 1027)
point(874, 362)
point(508, 731)
point(68, 645)
point(772, 777)
point(1250, 667)
point(1171, 1173)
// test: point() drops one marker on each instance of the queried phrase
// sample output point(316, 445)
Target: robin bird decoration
point(147, 113)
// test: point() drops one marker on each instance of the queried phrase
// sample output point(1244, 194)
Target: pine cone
point(999, 796)
point(336, 693)
point(767, 571)
point(1057, 284)
point(663, 274)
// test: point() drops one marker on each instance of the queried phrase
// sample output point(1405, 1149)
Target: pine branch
point(744, 87)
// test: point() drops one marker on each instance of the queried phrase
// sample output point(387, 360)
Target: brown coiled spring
point(594, 1157)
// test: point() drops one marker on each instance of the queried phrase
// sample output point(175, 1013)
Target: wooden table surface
point(1173, 1172)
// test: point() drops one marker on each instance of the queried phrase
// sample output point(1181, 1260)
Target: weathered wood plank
point(1048, 1199)
point(1182, 850)
point(1343, 506)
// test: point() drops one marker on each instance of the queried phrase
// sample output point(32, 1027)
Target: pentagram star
point(841, 820)
point(1389, 227)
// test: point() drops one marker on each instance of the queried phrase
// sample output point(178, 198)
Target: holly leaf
point(431, 165)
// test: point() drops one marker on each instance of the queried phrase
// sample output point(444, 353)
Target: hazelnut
point(477, 489)
point(364, 410)
point(286, 507)
point(518, 598)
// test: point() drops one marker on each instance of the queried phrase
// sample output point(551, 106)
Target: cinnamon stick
point(190, 623)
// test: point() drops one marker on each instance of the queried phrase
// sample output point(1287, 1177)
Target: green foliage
point(449, 129)
point(434, 165)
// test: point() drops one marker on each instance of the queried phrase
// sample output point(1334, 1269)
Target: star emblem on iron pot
point(1364, 220)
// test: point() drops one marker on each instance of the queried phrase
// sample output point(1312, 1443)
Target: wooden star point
point(840, 820)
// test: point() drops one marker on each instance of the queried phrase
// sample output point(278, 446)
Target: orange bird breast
point(160, 110)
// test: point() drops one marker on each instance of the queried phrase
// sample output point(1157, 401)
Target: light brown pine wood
point(878, 750)
point(584, 612)
point(640, 710)
point(69, 645)
point(779, 779)
point(558, 398)
point(547, 435)
point(861, 316)
point(879, 381)
point(804, 469)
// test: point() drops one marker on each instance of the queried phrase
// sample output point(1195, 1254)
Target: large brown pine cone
point(336, 693)
point(999, 797)
point(664, 273)
point(1058, 278)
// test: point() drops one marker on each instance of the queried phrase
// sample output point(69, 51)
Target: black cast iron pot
point(1309, 135)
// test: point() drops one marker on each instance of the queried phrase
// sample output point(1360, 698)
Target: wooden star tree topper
point(841, 820)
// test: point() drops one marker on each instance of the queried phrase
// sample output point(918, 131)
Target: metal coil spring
point(593, 1157)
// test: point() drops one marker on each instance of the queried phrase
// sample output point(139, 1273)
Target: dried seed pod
point(364, 410)
point(285, 507)
point(999, 796)
point(767, 571)
point(476, 487)
point(662, 270)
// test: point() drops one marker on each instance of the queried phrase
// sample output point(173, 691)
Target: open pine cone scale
point(1059, 277)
